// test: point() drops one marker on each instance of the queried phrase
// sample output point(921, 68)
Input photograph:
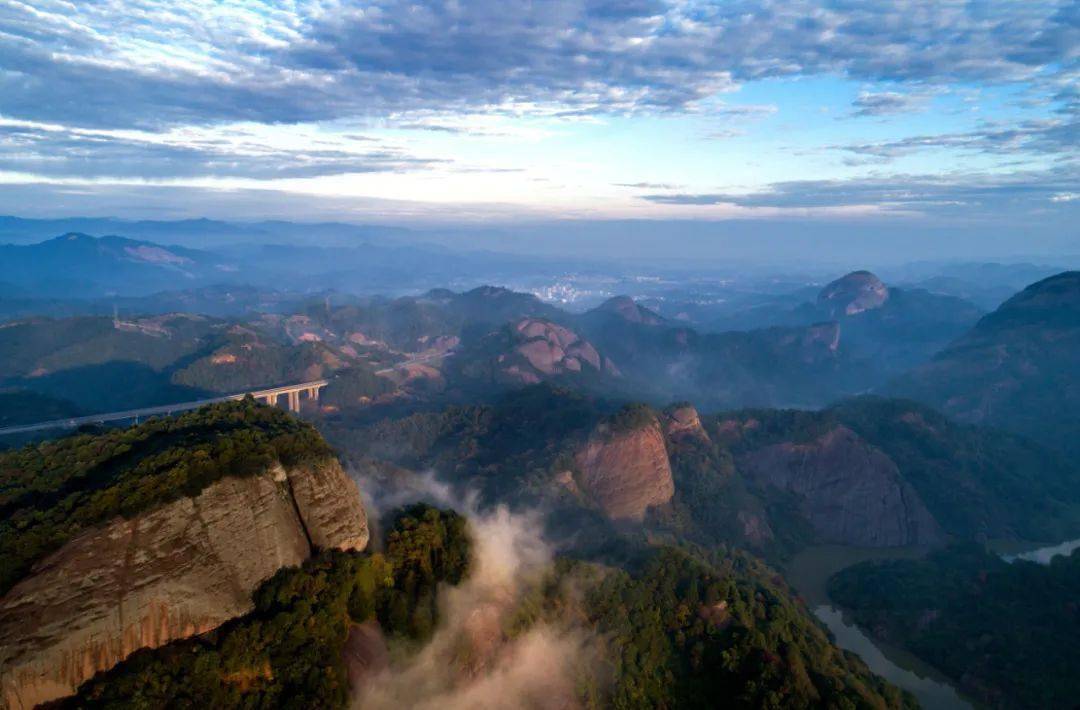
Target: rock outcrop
point(625, 308)
point(854, 293)
point(176, 571)
point(626, 472)
point(848, 490)
point(544, 349)
point(683, 423)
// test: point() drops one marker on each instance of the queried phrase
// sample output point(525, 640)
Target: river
point(809, 574)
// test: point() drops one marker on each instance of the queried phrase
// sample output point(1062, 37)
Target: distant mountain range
point(204, 233)
point(77, 266)
point(801, 349)
point(80, 265)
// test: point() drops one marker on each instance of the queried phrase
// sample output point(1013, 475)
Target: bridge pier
point(293, 394)
point(270, 396)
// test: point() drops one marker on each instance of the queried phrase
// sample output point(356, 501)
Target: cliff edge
point(177, 569)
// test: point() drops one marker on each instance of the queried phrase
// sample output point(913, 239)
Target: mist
point(474, 660)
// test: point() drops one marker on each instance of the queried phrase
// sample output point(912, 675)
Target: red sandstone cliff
point(179, 570)
point(626, 472)
point(850, 491)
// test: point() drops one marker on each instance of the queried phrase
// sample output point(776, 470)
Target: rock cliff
point(542, 349)
point(854, 293)
point(848, 490)
point(682, 423)
point(626, 472)
point(178, 570)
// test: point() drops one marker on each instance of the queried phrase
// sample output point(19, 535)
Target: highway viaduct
point(293, 394)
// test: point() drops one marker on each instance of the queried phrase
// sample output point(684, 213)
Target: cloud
point(648, 185)
point(57, 151)
point(886, 103)
point(744, 110)
point(433, 127)
point(1035, 137)
point(138, 200)
point(472, 661)
point(112, 64)
point(969, 196)
point(729, 118)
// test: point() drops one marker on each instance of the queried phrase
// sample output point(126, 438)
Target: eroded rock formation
point(848, 490)
point(176, 571)
point(626, 472)
point(854, 293)
point(683, 423)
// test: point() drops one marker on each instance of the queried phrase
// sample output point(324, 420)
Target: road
point(144, 412)
point(415, 361)
point(136, 414)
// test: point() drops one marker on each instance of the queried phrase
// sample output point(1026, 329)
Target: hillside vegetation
point(288, 652)
point(683, 631)
point(975, 483)
point(1017, 369)
point(1006, 632)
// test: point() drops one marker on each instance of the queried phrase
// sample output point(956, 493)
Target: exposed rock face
point(849, 491)
point(627, 472)
point(365, 653)
point(857, 292)
point(179, 570)
point(682, 423)
point(820, 335)
point(547, 349)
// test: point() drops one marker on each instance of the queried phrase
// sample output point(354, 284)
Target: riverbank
point(809, 573)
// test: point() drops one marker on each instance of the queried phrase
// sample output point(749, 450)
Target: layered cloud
point(369, 105)
point(887, 103)
point(1053, 137)
point(58, 151)
point(964, 194)
point(150, 63)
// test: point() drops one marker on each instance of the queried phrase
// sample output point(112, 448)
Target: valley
point(639, 441)
point(560, 355)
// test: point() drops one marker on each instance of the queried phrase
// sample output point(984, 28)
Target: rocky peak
point(545, 349)
point(854, 293)
point(682, 422)
point(624, 307)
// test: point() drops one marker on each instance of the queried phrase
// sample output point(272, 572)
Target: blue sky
point(500, 111)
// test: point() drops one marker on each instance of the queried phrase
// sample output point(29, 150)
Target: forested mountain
point(247, 579)
point(77, 264)
point(1006, 631)
point(1018, 368)
point(868, 471)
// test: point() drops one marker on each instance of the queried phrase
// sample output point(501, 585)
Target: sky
point(941, 115)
